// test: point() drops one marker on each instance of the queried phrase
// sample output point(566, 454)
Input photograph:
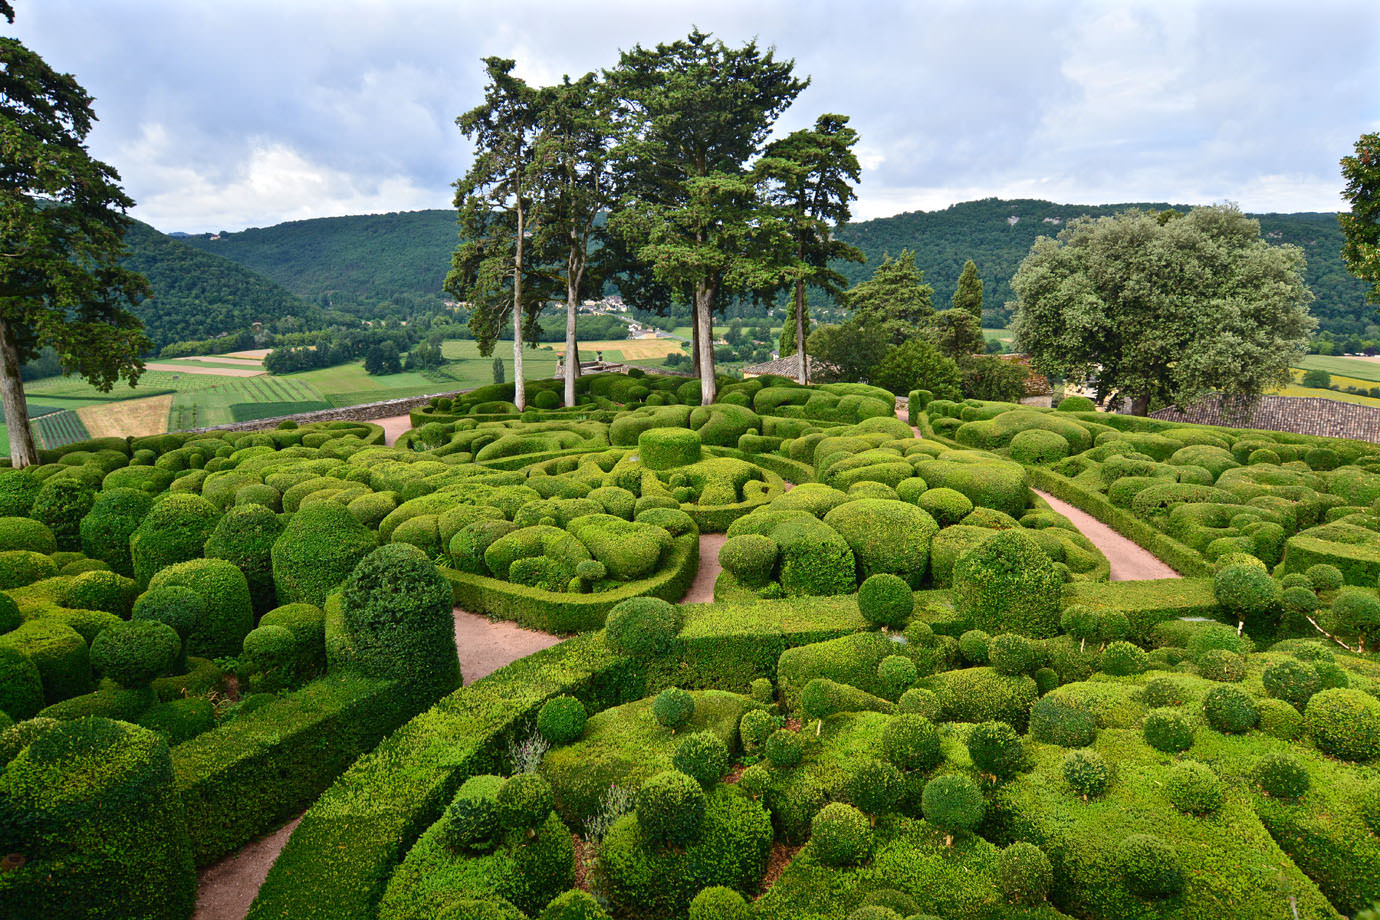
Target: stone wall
point(363, 413)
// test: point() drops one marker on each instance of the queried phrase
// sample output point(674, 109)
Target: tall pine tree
point(968, 293)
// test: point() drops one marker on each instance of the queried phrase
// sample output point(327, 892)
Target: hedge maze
point(916, 693)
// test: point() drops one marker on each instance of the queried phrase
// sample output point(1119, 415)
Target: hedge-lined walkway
point(1130, 562)
point(227, 888)
point(394, 427)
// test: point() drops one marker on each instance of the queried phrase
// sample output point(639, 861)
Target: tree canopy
point(1361, 228)
point(968, 291)
point(895, 300)
point(1164, 309)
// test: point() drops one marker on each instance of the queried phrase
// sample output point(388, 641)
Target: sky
point(225, 115)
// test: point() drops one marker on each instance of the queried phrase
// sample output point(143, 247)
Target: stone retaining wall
point(362, 413)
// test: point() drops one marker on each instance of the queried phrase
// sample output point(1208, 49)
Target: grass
point(1001, 335)
point(246, 399)
point(1338, 395)
point(57, 429)
point(1368, 371)
point(151, 383)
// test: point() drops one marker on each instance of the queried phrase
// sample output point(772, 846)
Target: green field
point(244, 400)
point(1001, 335)
point(1346, 367)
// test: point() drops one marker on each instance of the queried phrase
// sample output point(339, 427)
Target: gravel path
point(1130, 562)
point(702, 588)
point(227, 888)
point(393, 427)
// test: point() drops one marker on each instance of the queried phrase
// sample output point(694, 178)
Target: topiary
point(100, 590)
point(719, 903)
point(245, 536)
point(61, 503)
point(1193, 788)
point(642, 627)
point(751, 559)
point(1046, 680)
point(874, 912)
point(1163, 691)
point(58, 651)
point(953, 803)
point(946, 506)
point(703, 757)
point(1222, 665)
point(1065, 722)
point(225, 592)
point(179, 607)
point(1010, 653)
point(754, 728)
point(175, 530)
point(1080, 622)
point(1150, 867)
point(840, 835)
point(561, 719)
point(890, 899)
point(670, 809)
point(320, 547)
point(1344, 723)
point(975, 646)
point(1292, 681)
point(397, 610)
point(1325, 577)
point(1357, 611)
point(1122, 659)
point(1368, 805)
point(920, 701)
point(784, 749)
point(996, 750)
point(133, 653)
point(673, 708)
point(180, 720)
point(1024, 874)
point(911, 742)
point(762, 691)
point(523, 802)
point(667, 448)
point(26, 533)
point(885, 600)
point(1230, 710)
point(1248, 593)
point(875, 787)
point(1007, 583)
point(896, 674)
point(1112, 625)
point(1087, 773)
point(470, 821)
point(108, 526)
point(1279, 719)
point(581, 905)
point(1281, 776)
point(1168, 731)
point(21, 686)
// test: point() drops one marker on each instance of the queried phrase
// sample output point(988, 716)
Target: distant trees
point(895, 301)
point(1361, 228)
point(383, 358)
point(968, 292)
point(1162, 308)
point(1317, 379)
point(62, 227)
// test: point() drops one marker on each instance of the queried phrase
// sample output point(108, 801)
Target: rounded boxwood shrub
point(101, 804)
point(1230, 710)
point(946, 506)
point(1248, 593)
point(953, 803)
point(667, 448)
point(1325, 577)
point(1046, 680)
point(1292, 681)
point(523, 802)
point(1300, 599)
point(997, 750)
point(1281, 776)
point(581, 905)
point(18, 489)
point(911, 742)
point(670, 809)
point(1008, 584)
point(840, 835)
point(750, 558)
point(100, 590)
point(561, 719)
point(1087, 773)
point(397, 609)
point(133, 653)
point(703, 757)
point(784, 748)
point(754, 728)
point(762, 691)
point(1150, 867)
point(673, 708)
point(1193, 788)
point(179, 607)
point(319, 548)
point(58, 651)
point(175, 530)
point(1036, 445)
point(1222, 665)
point(1162, 692)
point(896, 674)
point(470, 822)
point(1344, 723)
point(1122, 659)
point(21, 686)
point(245, 536)
point(113, 519)
point(885, 600)
point(1080, 622)
point(181, 719)
point(1065, 722)
point(26, 533)
point(1076, 404)
point(642, 627)
point(1166, 730)
point(976, 646)
point(1024, 874)
point(225, 592)
point(1010, 653)
point(719, 903)
point(920, 701)
point(1368, 804)
point(1279, 719)
point(268, 657)
point(875, 787)
point(61, 503)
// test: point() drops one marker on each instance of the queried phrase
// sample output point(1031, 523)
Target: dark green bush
point(976, 646)
point(719, 903)
point(175, 530)
point(953, 803)
point(911, 742)
point(670, 809)
point(132, 654)
point(1024, 874)
point(840, 835)
point(1166, 730)
point(1222, 665)
point(1344, 723)
point(523, 802)
point(1292, 680)
point(703, 757)
point(1080, 622)
point(562, 720)
point(100, 590)
point(1150, 867)
point(896, 674)
point(1087, 773)
point(181, 608)
point(885, 600)
point(180, 720)
point(245, 536)
point(762, 691)
point(581, 905)
point(225, 592)
point(319, 548)
point(673, 708)
point(21, 686)
point(1230, 709)
point(470, 822)
point(875, 787)
point(1008, 584)
point(784, 749)
point(1011, 654)
point(113, 519)
point(1121, 659)
point(26, 533)
point(1279, 719)
point(1193, 788)
point(1065, 722)
point(997, 750)
point(667, 448)
point(397, 609)
point(750, 558)
point(1248, 593)
point(1357, 611)
point(60, 654)
point(642, 627)
point(946, 506)
point(1324, 577)
point(1282, 776)
point(754, 728)
point(18, 489)
point(61, 503)
point(1163, 691)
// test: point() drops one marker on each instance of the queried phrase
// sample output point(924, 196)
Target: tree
point(498, 369)
point(490, 268)
point(968, 293)
point(1321, 380)
point(846, 352)
point(957, 334)
point(696, 114)
point(1361, 228)
point(992, 378)
point(1164, 311)
point(574, 177)
point(383, 359)
point(812, 173)
point(63, 219)
point(918, 365)
point(895, 299)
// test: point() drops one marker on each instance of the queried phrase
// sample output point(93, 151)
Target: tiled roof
point(784, 367)
point(1299, 414)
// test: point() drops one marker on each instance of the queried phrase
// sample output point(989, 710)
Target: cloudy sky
point(224, 115)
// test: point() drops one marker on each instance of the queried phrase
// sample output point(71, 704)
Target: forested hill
point(349, 263)
point(997, 234)
point(197, 295)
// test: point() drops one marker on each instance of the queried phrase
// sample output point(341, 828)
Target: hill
point(997, 233)
point(198, 295)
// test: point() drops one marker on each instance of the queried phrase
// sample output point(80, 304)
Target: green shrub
point(642, 627)
point(245, 536)
point(180, 720)
point(719, 903)
point(1292, 681)
point(1065, 722)
point(1163, 691)
point(1324, 577)
point(18, 489)
point(562, 720)
point(953, 803)
point(319, 548)
point(1193, 788)
point(895, 675)
point(750, 558)
point(58, 652)
point(885, 600)
point(1036, 445)
point(1357, 611)
point(996, 750)
point(20, 567)
point(1121, 659)
point(762, 691)
point(823, 697)
point(174, 530)
point(1087, 773)
point(1222, 665)
point(1248, 593)
point(225, 592)
point(181, 608)
point(581, 905)
point(1279, 719)
point(875, 787)
point(670, 809)
point(398, 612)
point(1080, 622)
point(1150, 867)
point(886, 536)
point(1230, 710)
point(470, 822)
point(61, 503)
point(1281, 776)
point(703, 757)
point(1011, 654)
point(946, 506)
point(107, 528)
point(100, 590)
point(1168, 731)
point(840, 835)
point(1076, 404)
point(132, 654)
point(26, 533)
point(1008, 584)
point(673, 708)
point(911, 742)
point(1344, 723)
point(755, 727)
point(1024, 874)
point(983, 695)
point(784, 749)
point(667, 448)
point(523, 802)
point(21, 686)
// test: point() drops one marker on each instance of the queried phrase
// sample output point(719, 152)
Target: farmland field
point(128, 418)
point(1362, 368)
point(245, 400)
point(627, 349)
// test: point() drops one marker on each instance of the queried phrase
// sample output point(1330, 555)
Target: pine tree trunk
point(802, 373)
point(694, 341)
point(704, 327)
point(572, 351)
point(519, 384)
point(22, 450)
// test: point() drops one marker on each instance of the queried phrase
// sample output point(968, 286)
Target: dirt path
point(227, 888)
point(393, 427)
point(702, 588)
point(1130, 562)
